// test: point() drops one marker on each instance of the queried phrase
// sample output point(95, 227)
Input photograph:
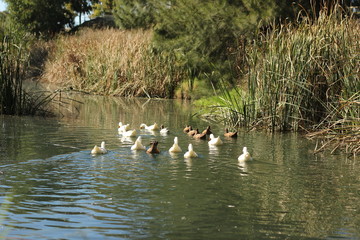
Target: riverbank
point(300, 76)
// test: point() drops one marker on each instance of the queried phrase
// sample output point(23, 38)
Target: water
point(52, 188)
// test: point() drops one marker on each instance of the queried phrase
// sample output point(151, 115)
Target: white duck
point(123, 127)
point(245, 156)
point(190, 153)
point(163, 130)
point(153, 127)
point(138, 145)
point(129, 133)
point(99, 150)
point(215, 141)
point(175, 147)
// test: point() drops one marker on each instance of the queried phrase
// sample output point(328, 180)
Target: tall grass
point(112, 62)
point(13, 99)
point(303, 75)
point(11, 94)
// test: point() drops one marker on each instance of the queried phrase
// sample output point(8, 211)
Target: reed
point(112, 62)
point(13, 63)
point(300, 74)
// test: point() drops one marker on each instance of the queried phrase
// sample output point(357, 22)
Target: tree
point(134, 13)
point(203, 33)
point(80, 7)
point(102, 7)
point(41, 17)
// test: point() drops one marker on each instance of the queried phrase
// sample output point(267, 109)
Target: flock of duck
point(126, 131)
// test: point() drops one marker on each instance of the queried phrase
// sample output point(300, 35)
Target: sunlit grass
point(302, 76)
point(112, 62)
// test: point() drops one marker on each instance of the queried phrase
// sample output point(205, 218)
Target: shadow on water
point(51, 187)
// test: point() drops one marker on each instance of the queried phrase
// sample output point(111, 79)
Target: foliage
point(131, 14)
point(41, 17)
point(204, 34)
point(102, 7)
point(79, 7)
point(116, 63)
point(13, 62)
point(303, 75)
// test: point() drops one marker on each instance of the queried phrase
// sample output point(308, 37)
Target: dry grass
point(112, 62)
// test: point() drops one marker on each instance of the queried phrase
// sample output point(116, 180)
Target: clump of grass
point(13, 62)
point(343, 134)
point(299, 73)
point(302, 76)
point(112, 62)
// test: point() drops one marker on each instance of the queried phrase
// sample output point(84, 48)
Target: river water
point(51, 187)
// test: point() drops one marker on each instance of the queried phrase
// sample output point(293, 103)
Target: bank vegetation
point(248, 69)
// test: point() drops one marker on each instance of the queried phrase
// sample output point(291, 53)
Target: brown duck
point(193, 132)
point(187, 129)
point(153, 148)
point(200, 135)
point(207, 131)
point(230, 134)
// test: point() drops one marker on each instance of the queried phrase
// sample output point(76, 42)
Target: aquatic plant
point(301, 76)
point(13, 63)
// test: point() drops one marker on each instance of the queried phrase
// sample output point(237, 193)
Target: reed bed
point(112, 62)
point(344, 137)
point(13, 99)
point(11, 94)
point(303, 76)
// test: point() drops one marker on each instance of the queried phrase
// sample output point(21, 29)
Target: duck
point(99, 150)
point(230, 134)
point(138, 145)
point(163, 130)
point(187, 129)
point(245, 156)
point(207, 131)
point(175, 147)
point(129, 133)
point(215, 141)
point(190, 153)
point(153, 148)
point(153, 127)
point(123, 127)
point(193, 132)
point(200, 136)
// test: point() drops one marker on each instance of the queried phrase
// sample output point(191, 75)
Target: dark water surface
point(51, 187)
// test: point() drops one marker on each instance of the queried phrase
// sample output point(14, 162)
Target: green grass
point(14, 59)
point(300, 75)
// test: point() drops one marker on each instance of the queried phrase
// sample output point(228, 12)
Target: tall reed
point(303, 75)
point(11, 60)
point(13, 63)
point(112, 62)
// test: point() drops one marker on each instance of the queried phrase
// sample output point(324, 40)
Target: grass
point(305, 71)
point(302, 76)
point(112, 62)
point(13, 62)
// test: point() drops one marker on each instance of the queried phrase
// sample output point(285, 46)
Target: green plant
point(13, 63)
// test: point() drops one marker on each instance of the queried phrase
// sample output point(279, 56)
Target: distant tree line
point(203, 35)
point(48, 17)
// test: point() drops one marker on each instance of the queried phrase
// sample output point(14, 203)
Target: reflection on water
point(52, 188)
